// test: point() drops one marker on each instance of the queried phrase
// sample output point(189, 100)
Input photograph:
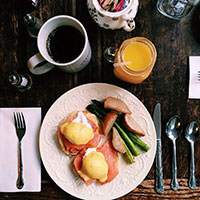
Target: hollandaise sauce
point(95, 166)
point(78, 131)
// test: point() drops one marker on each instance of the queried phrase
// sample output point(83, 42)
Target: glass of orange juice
point(133, 60)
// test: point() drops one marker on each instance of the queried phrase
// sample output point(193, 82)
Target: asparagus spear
point(99, 113)
point(129, 154)
point(143, 146)
point(93, 109)
point(127, 140)
point(98, 103)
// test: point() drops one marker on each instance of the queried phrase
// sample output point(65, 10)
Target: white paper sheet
point(194, 83)
point(30, 150)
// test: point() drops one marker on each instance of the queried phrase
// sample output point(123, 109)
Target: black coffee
point(65, 44)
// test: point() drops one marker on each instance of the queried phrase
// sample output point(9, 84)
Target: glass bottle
point(33, 2)
point(33, 25)
point(21, 82)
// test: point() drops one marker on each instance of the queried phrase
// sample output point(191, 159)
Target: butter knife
point(159, 187)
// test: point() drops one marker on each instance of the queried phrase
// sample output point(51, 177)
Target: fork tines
point(198, 75)
point(19, 120)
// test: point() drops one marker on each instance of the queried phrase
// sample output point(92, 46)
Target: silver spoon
point(191, 134)
point(173, 128)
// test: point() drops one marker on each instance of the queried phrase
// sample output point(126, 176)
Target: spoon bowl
point(173, 127)
point(192, 132)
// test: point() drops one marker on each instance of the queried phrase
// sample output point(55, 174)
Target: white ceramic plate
point(59, 166)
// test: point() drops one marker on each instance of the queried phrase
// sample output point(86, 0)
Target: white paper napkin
point(30, 150)
point(194, 84)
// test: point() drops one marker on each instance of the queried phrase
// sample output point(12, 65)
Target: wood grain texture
point(175, 41)
point(144, 191)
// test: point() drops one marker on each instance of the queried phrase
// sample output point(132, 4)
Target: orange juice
point(137, 55)
point(134, 60)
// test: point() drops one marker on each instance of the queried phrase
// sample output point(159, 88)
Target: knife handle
point(159, 187)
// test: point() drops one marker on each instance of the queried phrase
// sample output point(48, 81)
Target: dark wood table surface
point(168, 83)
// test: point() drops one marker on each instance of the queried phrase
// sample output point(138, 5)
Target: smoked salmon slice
point(111, 157)
point(77, 164)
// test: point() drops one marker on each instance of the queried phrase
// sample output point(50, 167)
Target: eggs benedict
point(97, 164)
point(77, 131)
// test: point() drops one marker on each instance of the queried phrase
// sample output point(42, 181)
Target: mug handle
point(38, 65)
point(129, 23)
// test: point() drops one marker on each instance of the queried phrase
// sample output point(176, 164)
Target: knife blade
point(159, 187)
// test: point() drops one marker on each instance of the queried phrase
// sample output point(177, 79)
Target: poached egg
point(94, 166)
point(79, 131)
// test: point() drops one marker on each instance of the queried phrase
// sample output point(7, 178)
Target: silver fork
point(198, 75)
point(20, 126)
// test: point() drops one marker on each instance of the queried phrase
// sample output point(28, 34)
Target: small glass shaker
point(33, 25)
point(21, 82)
point(33, 2)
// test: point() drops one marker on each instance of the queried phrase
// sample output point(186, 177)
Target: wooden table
point(168, 83)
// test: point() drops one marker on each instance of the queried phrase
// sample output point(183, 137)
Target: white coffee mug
point(42, 62)
point(114, 20)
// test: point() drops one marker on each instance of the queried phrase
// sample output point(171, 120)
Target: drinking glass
point(134, 60)
point(176, 9)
